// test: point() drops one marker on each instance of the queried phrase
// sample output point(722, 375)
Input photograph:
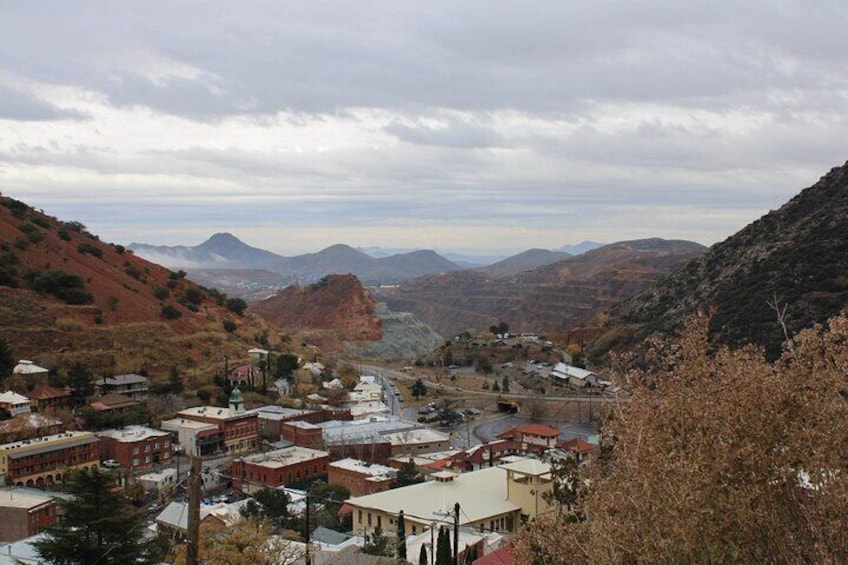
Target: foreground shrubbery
point(717, 458)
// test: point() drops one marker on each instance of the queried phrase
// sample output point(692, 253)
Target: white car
point(110, 464)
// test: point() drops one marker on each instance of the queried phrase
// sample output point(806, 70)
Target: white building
point(14, 403)
point(574, 376)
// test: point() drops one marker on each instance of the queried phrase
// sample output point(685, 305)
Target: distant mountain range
point(225, 251)
point(580, 248)
point(556, 295)
point(794, 258)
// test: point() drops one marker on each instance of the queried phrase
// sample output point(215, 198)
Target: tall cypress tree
point(97, 526)
point(422, 556)
point(443, 548)
point(401, 536)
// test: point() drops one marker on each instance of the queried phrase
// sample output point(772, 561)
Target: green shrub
point(64, 286)
point(160, 293)
point(236, 305)
point(35, 236)
point(64, 235)
point(90, 249)
point(229, 325)
point(193, 295)
point(40, 221)
point(170, 313)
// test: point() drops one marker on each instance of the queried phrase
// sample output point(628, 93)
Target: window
point(135, 450)
point(135, 462)
point(379, 521)
point(369, 519)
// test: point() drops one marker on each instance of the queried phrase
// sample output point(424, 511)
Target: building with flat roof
point(23, 515)
point(136, 447)
point(193, 437)
point(43, 461)
point(238, 427)
point(360, 477)
point(421, 440)
point(281, 467)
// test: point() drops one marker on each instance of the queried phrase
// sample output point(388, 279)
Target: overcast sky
point(472, 125)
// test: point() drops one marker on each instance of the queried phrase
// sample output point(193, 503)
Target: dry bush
point(718, 458)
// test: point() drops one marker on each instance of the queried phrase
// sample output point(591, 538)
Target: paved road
point(393, 374)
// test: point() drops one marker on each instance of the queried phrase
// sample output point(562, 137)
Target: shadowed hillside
point(796, 255)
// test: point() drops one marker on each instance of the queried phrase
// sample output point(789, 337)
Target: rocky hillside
point(796, 255)
point(547, 299)
point(336, 302)
point(225, 251)
point(338, 313)
point(67, 296)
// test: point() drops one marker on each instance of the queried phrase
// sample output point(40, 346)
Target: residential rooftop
point(364, 468)
point(360, 431)
point(284, 457)
point(215, 412)
point(131, 434)
point(9, 498)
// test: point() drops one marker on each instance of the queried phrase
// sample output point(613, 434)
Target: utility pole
point(194, 511)
point(456, 534)
point(307, 561)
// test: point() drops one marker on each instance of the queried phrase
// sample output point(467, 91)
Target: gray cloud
point(413, 120)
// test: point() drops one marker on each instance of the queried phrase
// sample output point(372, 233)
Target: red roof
point(501, 556)
point(45, 392)
point(578, 445)
point(530, 430)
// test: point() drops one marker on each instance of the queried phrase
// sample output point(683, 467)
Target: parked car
point(110, 464)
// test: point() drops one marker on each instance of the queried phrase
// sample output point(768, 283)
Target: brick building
point(272, 418)
point(136, 447)
point(43, 461)
point(23, 515)
point(281, 467)
point(195, 438)
point(238, 428)
point(360, 477)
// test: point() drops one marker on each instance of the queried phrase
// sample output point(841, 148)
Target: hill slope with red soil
point(67, 296)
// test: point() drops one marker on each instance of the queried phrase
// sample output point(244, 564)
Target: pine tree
point(97, 526)
point(422, 556)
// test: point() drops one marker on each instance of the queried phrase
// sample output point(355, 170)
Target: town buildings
point(360, 477)
point(43, 461)
point(23, 514)
point(13, 403)
point(532, 437)
point(133, 386)
point(136, 447)
point(491, 499)
point(238, 429)
point(46, 398)
point(281, 467)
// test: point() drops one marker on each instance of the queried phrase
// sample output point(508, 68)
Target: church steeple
point(237, 401)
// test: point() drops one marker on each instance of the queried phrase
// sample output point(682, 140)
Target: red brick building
point(23, 515)
point(239, 428)
point(282, 467)
point(43, 461)
point(136, 447)
point(272, 418)
point(360, 477)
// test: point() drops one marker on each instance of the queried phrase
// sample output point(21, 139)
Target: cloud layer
point(465, 126)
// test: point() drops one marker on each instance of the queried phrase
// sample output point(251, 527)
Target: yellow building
point(43, 461)
point(491, 499)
